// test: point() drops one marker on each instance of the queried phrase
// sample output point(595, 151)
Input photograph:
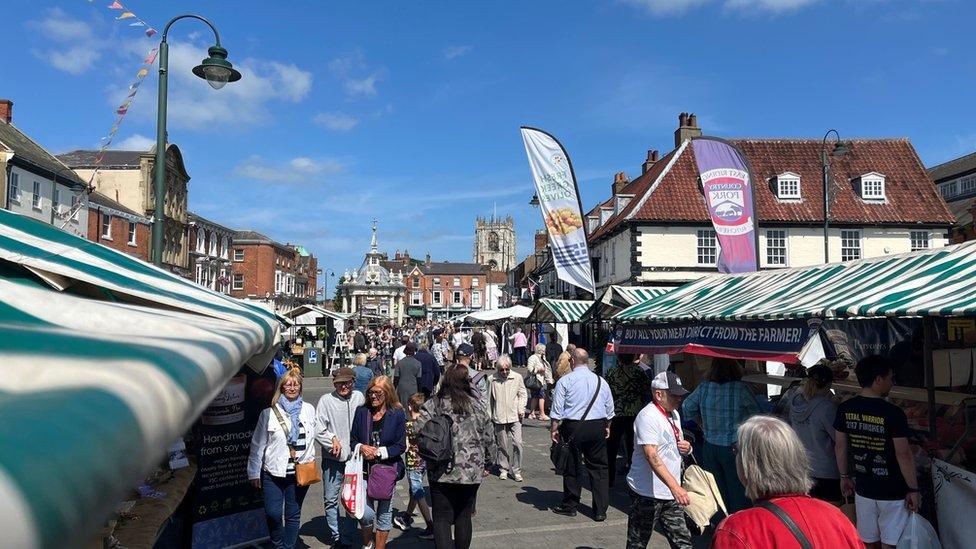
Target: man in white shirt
point(655, 471)
point(398, 353)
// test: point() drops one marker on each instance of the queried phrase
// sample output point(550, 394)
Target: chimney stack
point(620, 181)
point(427, 259)
point(687, 128)
point(652, 159)
point(6, 110)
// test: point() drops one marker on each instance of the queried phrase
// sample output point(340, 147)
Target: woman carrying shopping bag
point(379, 428)
point(282, 443)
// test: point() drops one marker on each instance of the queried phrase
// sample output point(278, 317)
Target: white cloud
point(301, 169)
point(665, 7)
point(356, 77)
point(193, 104)
point(75, 47)
point(675, 7)
point(775, 6)
point(451, 52)
point(135, 142)
point(362, 86)
point(336, 121)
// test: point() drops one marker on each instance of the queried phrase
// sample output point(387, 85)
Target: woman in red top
point(773, 466)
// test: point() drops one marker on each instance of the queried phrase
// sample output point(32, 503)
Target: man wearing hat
point(655, 471)
point(334, 414)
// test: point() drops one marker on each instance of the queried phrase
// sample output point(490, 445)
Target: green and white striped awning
point(107, 361)
point(935, 282)
point(617, 298)
point(559, 310)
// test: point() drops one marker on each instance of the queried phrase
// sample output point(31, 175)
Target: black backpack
point(435, 442)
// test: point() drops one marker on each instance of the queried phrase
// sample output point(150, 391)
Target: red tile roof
point(911, 196)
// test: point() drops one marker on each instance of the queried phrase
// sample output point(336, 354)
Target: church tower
point(494, 243)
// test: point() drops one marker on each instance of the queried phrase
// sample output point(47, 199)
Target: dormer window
point(788, 186)
point(605, 214)
point(621, 201)
point(872, 187)
point(593, 223)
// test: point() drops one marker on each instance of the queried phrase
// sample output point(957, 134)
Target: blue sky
point(409, 111)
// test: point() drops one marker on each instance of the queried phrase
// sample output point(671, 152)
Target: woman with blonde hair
point(564, 364)
point(282, 437)
point(379, 428)
point(363, 373)
point(772, 464)
point(540, 368)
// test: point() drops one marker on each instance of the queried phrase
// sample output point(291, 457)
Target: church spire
point(373, 246)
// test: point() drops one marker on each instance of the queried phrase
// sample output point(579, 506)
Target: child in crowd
point(415, 473)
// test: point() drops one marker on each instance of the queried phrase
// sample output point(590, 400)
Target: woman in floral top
point(415, 473)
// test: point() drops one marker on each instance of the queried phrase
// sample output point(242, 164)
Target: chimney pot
point(683, 119)
point(687, 129)
point(620, 180)
point(6, 110)
point(651, 160)
point(693, 120)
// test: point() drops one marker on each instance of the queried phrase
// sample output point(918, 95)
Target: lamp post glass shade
point(841, 148)
point(534, 201)
point(216, 69)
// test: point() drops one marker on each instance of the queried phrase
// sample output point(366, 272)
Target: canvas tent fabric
point(305, 315)
point(617, 298)
point(934, 282)
point(108, 360)
point(516, 311)
point(559, 310)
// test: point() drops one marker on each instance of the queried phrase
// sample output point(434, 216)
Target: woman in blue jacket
point(380, 428)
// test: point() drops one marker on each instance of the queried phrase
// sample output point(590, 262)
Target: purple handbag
point(382, 480)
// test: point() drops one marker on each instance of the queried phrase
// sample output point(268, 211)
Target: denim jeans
point(415, 479)
point(332, 473)
point(382, 515)
point(283, 508)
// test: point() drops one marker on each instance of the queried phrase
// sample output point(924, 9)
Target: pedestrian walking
point(811, 413)
point(722, 403)
point(416, 469)
point(480, 349)
point(379, 428)
point(506, 404)
point(519, 345)
point(440, 348)
point(540, 368)
point(399, 352)
point(430, 371)
point(334, 415)
point(375, 362)
point(586, 427)
point(478, 380)
point(359, 341)
point(282, 437)
point(564, 364)
point(772, 464)
point(454, 488)
point(873, 456)
point(631, 392)
point(553, 347)
point(655, 474)
point(491, 345)
point(362, 372)
point(407, 373)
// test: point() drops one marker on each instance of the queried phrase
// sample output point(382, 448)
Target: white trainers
point(517, 477)
point(503, 475)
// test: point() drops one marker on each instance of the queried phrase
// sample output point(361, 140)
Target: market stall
point(561, 315)
point(108, 361)
point(616, 298)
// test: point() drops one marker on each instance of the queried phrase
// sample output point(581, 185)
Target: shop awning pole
point(928, 326)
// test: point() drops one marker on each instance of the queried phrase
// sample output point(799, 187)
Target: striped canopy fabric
point(935, 282)
point(107, 361)
point(617, 298)
point(559, 310)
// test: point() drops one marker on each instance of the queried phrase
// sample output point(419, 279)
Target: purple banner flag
point(728, 190)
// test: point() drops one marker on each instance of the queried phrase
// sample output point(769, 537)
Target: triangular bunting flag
point(126, 15)
point(116, 6)
point(137, 24)
point(150, 32)
point(151, 58)
point(142, 73)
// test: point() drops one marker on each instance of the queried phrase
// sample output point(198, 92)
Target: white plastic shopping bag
point(353, 488)
point(918, 534)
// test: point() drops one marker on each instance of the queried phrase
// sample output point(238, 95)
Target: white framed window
point(279, 282)
point(416, 298)
point(476, 300)
point(13, 187)
point(920, 240)
point(850, 245)
point(475, 282)
point(74, 202)
point(776, 247)
point(707, 247)
point(238, 282)
point(56, 199)
point(223, 247)
point(967, 185)
point(457, 281)
point(948, 190)
point(106, 226)
point(873, 186)
point(36, 196)
point(436, 298)
point(788, 186)
point(437, 281)
point(416, 282)
point(457, 298)
point(201, 240)
point(238, 254)
point(213, 243)
point(132, 233)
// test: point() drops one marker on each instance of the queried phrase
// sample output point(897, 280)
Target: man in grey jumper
point(333, 416)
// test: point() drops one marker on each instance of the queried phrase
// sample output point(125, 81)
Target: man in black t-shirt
point(872, 447)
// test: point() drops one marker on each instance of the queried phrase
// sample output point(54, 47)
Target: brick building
point(269, 272)
point(442, 289)
point(118, 227)
point(956, 181)
point(209, 248)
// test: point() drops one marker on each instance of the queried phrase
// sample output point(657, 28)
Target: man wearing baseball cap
point(655, 471)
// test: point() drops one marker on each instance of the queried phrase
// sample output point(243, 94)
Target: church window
point(492, 241)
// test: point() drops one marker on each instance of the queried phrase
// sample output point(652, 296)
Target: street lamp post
point(839, 150)
point(217, 71)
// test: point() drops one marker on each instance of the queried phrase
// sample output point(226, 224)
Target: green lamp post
point(217, 71)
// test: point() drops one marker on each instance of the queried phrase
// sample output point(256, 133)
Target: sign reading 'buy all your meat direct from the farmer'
point(555, 186)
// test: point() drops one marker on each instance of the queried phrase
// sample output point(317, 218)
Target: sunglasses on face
point(344, 384)
point(375, 394)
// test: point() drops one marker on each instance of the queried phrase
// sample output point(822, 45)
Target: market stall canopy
point(108, 360)
point(559, 310)
point(516, 311)
point(307, 315)
point(934, 282)
point(617, 298)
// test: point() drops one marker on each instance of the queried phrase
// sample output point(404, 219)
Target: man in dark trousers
point(406, 373)
point(430, 372)
point(573, 418)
